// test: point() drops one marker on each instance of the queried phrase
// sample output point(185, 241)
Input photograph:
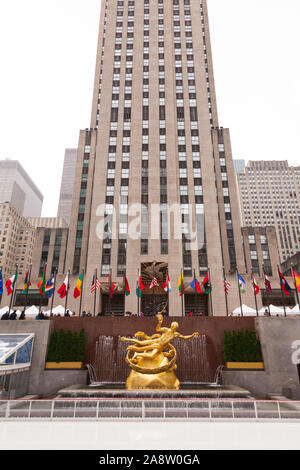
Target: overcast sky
point(48, 51)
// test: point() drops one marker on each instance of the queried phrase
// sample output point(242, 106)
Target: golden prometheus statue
point(153, 359)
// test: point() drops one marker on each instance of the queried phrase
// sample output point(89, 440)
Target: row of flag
point(286, 288)
point(48, 287)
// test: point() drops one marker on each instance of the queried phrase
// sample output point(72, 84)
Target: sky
point(47, 64)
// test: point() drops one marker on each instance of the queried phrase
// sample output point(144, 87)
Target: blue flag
point(49, 289)
point(1, 282)
point(196, 285)
point(242, 283)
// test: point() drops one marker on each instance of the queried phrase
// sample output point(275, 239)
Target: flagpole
point(294, 280)
point(68, 285)
point(52, 300)
point(268, 298)
point(210, 295)
point(226, 300)
point(282, 298)
point(80, 304)
point(109, 299)
point(254, 292)
point(182, 294)
point(42, 287)
point(2, 286)
point(95, 291)
point(27, 290)
point(240, 296)
point(195, 301)
point(153, 288)
point(13, 292)
point(138, 298)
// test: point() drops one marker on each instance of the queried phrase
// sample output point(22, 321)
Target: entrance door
point(196, 303)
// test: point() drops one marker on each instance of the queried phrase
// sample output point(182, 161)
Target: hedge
point(66, 346)
point(241, 346)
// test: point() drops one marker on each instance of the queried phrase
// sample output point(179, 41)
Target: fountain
point(139, 379)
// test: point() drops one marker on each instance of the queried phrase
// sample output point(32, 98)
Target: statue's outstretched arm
point(141, 334)
point(178, 335)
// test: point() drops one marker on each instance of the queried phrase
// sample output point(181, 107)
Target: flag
point(139, 287)
point(153, 283)
point(1, 282)
point(284, 284)
point(95, 284)
point(154, 280)
point(256, 286)
point(267, 282)
point(242, 283)
point(196, 285)
point(296, 280)
point(167, 285)
point(126, 288)
point(49, 289)
point(27, 283)
point(42, 283)
point(181, 285)
point(226, 286)
point(11, 283)
point(111, 286)
point(63, 290)
point(78, 287)
point(206, 284)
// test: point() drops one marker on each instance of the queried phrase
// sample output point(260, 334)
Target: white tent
point(247, 311)
point(3, 310)
point(31, 311)
point(59, 309)
point(295, 310)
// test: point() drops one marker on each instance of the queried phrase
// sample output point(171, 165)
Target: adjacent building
point(17, 240)
point(17, 187)
point(67, 185)
point(270, 195)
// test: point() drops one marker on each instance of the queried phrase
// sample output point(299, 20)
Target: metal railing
point(150, 409)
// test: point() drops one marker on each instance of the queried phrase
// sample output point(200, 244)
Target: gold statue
point(150, 364)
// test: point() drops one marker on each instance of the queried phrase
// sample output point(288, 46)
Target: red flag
point(111, 286)
point(64, 288)
point(256, 286)
point(267, 282)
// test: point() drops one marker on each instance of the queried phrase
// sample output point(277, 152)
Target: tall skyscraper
point(154, 184)
point(67, 185)
point(17, 187)
point(270, 195)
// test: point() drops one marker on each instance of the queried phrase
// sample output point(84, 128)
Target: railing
point(152, 409)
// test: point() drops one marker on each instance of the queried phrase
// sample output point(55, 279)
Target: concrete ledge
point(52, 380)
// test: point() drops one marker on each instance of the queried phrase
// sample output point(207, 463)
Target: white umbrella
point(247, 311)
point(296, 309)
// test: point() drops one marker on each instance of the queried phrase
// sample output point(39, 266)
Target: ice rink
point(138, 435)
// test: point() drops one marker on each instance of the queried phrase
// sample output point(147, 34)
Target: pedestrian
point(84, 313)
point(67, 313)
point(13, 315)
point(190, 314)
point(5, 316)
point(22, 316)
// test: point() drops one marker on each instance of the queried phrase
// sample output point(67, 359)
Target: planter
point(63, 365)
point(245, 365)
